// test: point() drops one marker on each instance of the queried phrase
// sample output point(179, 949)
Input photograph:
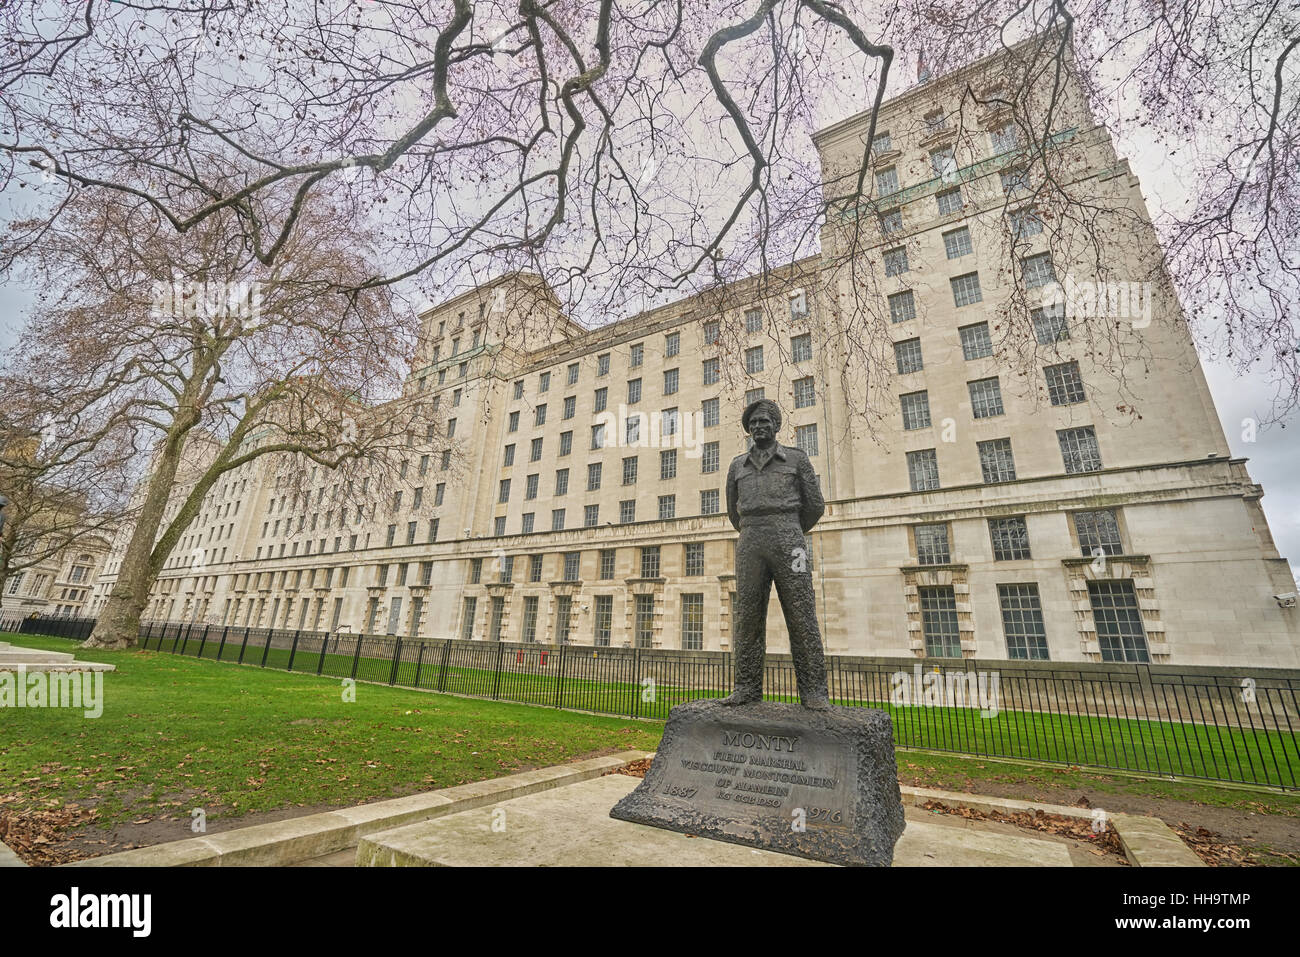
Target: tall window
point(530, 618)
point(1098, 530)
point(607, 563)
point(712, 371)
point(670, 381)
point(805, 393)
point(1079, 449)
point(604, 619)
point(887, 181)
point(711, 413)
point(712, 329)
point(591, 516)
point(754, 359)
point(572, 561)
point(916, 409)
point(602, 399)
point(805, 438)
point(535, 450)
point(1120, 634)
point(530, 486)
point(566, 443)
point(598, 436)
point(801, 348)
point(667, 464)
point(710, 501)
point(956, 243)
point(672, 344)
point(896, 262)
point(902, 306)
point(1010, 537)
point(1022, 621)
point(667, 507)
point(629, 470)
point(907, 355)
point(694, 558)
point(939, 621)
point(557, 519)
point(535, 568)
point(650, 561)
point(692, 622)
point(467, 618)
point(996, 461)
point(593, 476)
point(985, 398)
point(710, 460)
point(633, 391)
point(539, 415)
point(1038, 270)
point(602, 364)
point(645, 621)
point(636, 354)
point(932, 544)
point(966, 289)
point(1064, 384)
point(1050, 325)
point(627, 511)
point(975, 341)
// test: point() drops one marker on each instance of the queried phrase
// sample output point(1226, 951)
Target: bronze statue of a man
point(773, 499)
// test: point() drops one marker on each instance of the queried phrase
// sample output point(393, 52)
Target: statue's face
point(762, 428)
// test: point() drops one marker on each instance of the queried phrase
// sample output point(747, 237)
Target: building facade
point(1014, 466)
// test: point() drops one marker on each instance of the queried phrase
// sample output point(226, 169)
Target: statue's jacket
point(784, 485)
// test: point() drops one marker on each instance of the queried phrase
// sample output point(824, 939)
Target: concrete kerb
point(297, 839)
point(1147, 841)
point(9, 859)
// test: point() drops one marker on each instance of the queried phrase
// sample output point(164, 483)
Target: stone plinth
point(817, 784)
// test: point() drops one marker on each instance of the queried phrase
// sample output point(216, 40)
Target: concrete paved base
point(570, 826)
point(13, 657)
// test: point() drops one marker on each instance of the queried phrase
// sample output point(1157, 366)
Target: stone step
point(31, 667)
point(20, 655)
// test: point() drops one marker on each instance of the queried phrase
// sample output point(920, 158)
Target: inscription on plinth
point(818, 784)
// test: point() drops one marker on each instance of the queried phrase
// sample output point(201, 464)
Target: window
point(1014, 180)
point(712, 371)
point(712, 329)
point(936, 120)
point(932, 544)
point(629, 470)
point(916, 410)
point(650, 561)
point(670, 381)
point(507, 569)
point(557, 520)
point(463, 370)
point(1010, 538)
point(944, 163)
point(887, 181)
point(892, 221)
point(805, 439)
point(956, 243)
point(1050, 325)
point(570, 406)
point(467, 619)
point(966, 289)
point(949, 201)
point(566, 443)
point(535, 568)
point(632, 430)
point(439, 493)
point(519, 389)
point(633, 391)
point(561, 481)
point(508, 460)
point(497, 613)
point(602, 399)
point(692, 622)
point(805, 393)
point(753, 395)
point(710, 501)
point(645, 621)
point(985, 398)
point(907, 355)
point(667, 464)
point(1120, 635)
point(939, 621)
point(530, 487)
point(1098, 530)
point(602, 364)
point(598, 436)
point(499, 525)
point(535, 450)
point(527, 523)
point(514, 422)
point(504, 492)
point(451, 428)
point(801, 348)
point(1022, 621)
point(1005, 139)
point(902, 306)
point(593, 476)
point(923, 470)
point(604, 619)
point(1079, 449)
point(1038, 270)
point(627, 511)
point(710, 413)
point(996, 461)
point(667, 507)
point(410, 533)
point(1024, 223)
point(573, 374)
point(539, 415)
point(607, 556)
point(881, 144)
point(543, 382)
point(1064, 385)
point(754, 359)
point(392, 535)
point(637, 355)
point(896, 262)
point(710, 459)
point(530, 618)
point(475, 571)
point(672, 344)
point(571, 565)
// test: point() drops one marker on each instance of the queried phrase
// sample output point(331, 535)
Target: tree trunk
point(119, 624)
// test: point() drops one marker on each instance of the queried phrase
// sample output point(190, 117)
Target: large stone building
point(1008, 474)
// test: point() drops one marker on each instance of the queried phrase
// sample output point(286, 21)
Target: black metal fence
point(1236, 725)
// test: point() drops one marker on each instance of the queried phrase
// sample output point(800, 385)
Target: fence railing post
point(266, 645)
point(225, 630)
point(559, 681)
point(636, 682)
point(419, 662)
point(203, 641)
point(397, 657)
point(177, 640)
point(496, 672)
point(356, 658)
point(324, 647)
point(442, 667)
point(294, 650)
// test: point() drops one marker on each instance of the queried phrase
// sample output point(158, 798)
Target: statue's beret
point(767, 405)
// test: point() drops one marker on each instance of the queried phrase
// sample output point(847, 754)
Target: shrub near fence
point(1215, 723)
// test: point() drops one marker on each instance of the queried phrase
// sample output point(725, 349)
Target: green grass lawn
point(1183, 749)
point(178, 733)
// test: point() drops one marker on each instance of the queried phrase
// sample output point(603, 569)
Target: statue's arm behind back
point(814, 506)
